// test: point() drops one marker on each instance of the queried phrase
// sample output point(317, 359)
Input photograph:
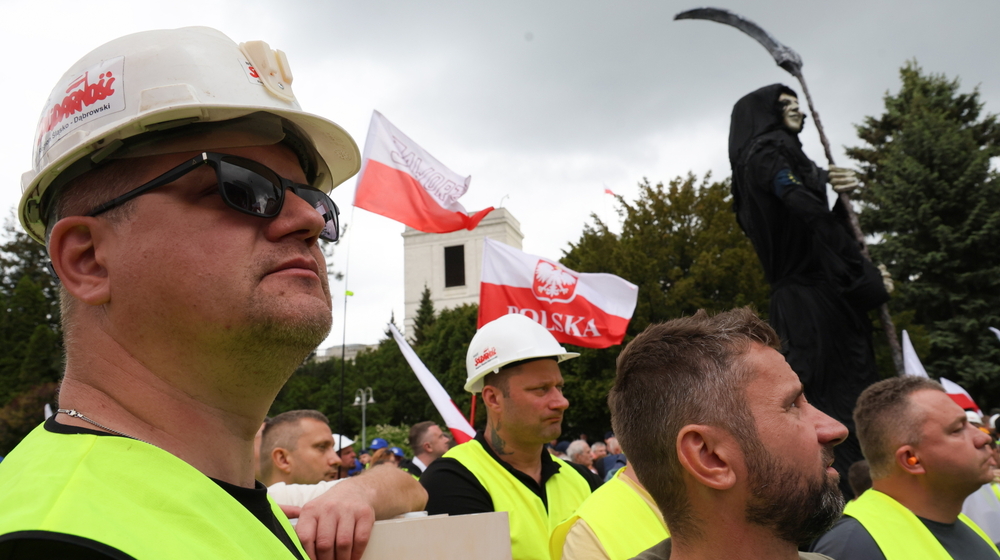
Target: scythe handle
point(883, 312)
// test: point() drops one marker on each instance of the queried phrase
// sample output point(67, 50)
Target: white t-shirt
point(299, 494)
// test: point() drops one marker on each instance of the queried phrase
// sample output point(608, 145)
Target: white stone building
point(450, 264)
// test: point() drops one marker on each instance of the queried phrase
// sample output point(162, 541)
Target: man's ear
point(282, 460)
point(707, 454)
point(906, 457)
point(491, 397)
point(76, 257)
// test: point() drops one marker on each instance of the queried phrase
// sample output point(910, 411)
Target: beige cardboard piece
point(481, 536)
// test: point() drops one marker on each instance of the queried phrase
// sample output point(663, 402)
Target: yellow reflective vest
point(131, 496)
point(619, 517)
point(897, 531)
point(530, 523)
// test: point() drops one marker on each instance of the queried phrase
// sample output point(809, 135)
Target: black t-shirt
point(849, 540)
point(34, 545)
point(453, 489)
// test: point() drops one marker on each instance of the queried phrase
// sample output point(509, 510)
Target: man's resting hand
point(338, 524)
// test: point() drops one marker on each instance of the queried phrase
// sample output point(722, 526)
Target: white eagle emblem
point(553, 283)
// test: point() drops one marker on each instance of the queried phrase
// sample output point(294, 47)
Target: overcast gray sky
point(544, 102)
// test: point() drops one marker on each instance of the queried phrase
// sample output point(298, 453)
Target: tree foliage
point(424, 318)
point(31, 355)
point(934, 203)
point(681, 245)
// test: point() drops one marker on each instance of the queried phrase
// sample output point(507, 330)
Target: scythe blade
point(784, 56)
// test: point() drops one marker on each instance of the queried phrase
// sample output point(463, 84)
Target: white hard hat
point(511, 338)
point(341, 442)
point(151, 84)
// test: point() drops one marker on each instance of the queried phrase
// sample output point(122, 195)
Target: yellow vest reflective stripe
point(530, 524)
point(619, 517)
point(129, 495)
point(898, 532)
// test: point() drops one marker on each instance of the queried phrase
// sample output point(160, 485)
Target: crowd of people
point(183, 216)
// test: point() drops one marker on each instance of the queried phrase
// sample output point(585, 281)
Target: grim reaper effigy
point(821, 286)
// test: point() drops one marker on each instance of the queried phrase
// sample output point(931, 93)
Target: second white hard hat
point(511, 338)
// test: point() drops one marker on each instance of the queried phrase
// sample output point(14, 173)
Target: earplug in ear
point(911, 461)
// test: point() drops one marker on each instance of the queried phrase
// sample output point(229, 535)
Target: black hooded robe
point(821, 286)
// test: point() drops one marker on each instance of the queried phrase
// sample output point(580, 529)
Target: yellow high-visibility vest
point(619, 517)
point(530, 523)
point(898, 532)
point(131, 496)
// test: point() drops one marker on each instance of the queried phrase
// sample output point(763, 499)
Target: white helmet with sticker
point(151, 86)
point(504, 341)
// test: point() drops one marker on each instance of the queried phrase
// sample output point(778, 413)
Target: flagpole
point(343, 340)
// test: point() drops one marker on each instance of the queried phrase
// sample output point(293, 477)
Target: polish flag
point(399, 180)
point(590, 310)
point(959, 395)
point(460, 428)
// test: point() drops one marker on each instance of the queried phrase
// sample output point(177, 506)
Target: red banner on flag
point(590, 310)
point(400, 180)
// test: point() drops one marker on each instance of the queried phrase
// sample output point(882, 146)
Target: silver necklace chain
point(73, 413)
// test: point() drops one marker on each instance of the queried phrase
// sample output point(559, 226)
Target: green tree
point(933, 201)
point(27, 334)
point(681, 245)
point(398, 436)
point(424, 318)
point(22, 256)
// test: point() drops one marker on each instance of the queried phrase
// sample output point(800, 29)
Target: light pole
point(359, 400)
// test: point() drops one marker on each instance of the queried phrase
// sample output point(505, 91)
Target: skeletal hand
point(886, 278)
point(843, 180)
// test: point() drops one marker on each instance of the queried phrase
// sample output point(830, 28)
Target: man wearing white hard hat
point(182, 193)
point(344, 446)
point(514, 362)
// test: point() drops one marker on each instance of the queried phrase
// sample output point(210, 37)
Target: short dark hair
point(418, 433)
point(885, 420)
point(281, 432)
point(685, 371)
point(859, 477)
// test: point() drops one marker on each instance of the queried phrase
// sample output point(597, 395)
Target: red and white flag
point(460, 428)
point(400, 180)
point(591, 310)
point(959, 395)
point(911, 363)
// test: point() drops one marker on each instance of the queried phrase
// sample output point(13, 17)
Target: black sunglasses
point(244, 185)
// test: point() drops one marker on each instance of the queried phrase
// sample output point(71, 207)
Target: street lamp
point(359, 400)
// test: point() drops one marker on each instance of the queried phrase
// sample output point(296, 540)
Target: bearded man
point(719, 432)
point(822, 286)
